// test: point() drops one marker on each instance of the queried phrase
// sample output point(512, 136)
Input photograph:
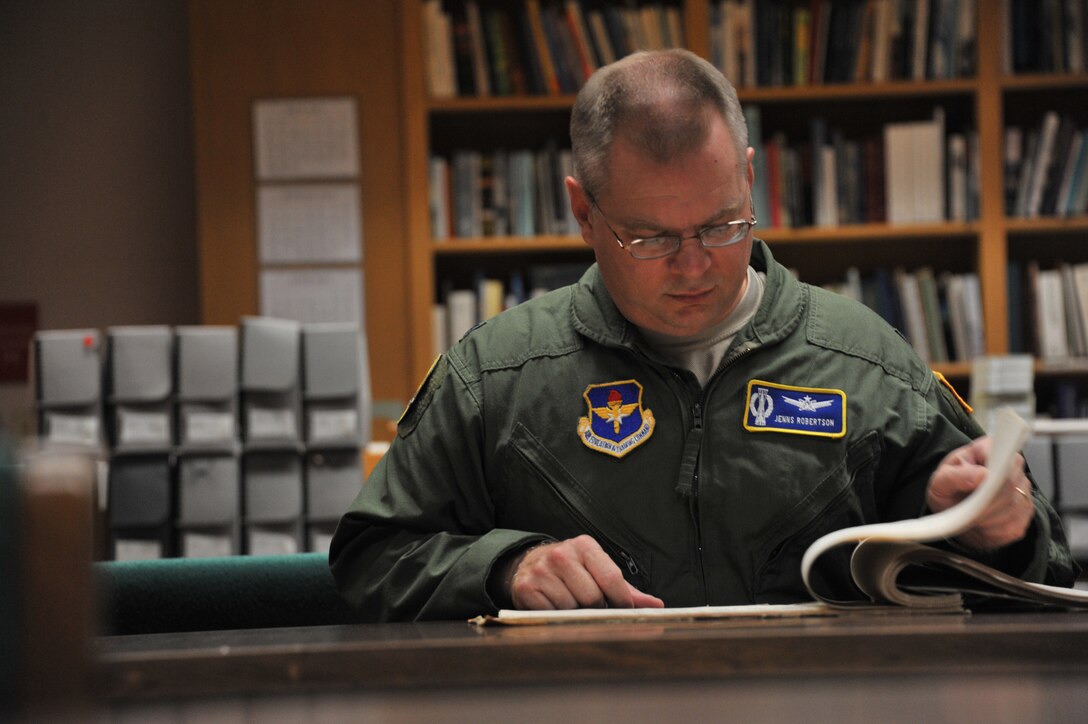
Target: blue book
point(1015, 294)
point(760, 193)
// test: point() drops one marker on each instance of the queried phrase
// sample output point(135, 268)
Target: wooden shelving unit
point(982, 244)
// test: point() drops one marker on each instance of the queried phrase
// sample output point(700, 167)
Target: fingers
point(1007, 518)
point(1009, 514)
point(575, 573)
point(644, 600)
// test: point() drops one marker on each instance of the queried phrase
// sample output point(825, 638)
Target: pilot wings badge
point(797, 410)
point(617, 423)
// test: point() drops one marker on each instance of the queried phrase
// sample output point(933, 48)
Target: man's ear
point(580, 206)
point(751, 169)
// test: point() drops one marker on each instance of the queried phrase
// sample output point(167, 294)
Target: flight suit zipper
point(693, 507)
point(696, 436)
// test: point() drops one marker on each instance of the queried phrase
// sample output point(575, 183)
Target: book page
point(1009, 434)
point(689, 613)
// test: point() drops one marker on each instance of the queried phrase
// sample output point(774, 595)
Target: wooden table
point(1033, 665)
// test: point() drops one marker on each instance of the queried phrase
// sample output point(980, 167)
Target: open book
point(891, 563)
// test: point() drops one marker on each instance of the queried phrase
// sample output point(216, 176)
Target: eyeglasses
point(655, 247)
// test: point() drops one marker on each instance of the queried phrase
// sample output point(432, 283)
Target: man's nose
point(692, 258)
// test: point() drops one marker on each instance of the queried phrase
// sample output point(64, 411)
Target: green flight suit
point(686, 488)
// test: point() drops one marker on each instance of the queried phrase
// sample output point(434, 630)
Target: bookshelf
point(983, 102)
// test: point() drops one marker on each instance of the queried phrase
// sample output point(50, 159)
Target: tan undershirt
point(702, 353)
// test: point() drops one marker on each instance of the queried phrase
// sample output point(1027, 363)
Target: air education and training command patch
point(796, 410)
point(617, 422)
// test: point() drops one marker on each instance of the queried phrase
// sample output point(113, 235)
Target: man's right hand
point(574, 573)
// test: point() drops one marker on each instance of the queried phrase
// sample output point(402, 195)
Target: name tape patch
point(771, 407)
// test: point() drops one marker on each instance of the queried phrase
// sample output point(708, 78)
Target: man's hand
point(1008, 516)
point(574, 573)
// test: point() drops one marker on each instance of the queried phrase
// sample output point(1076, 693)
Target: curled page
point(1008, 435)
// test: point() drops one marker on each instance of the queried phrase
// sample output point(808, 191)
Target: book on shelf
point(501, 66)
point(466, 180)
point(1042, 163)
point(935, 322)
point(462, 308)
point(895, 566)
point(1053, 340)
point(1074, 320)
point(490, 297)
point(438, 193)
point(914, 170)
point(958, 174)
point(760, 198)
point(1017, 303)
point(973, 317)
point(602, 43)
point(439, 58)
point(539, 46)
point(914, 315)
point(440, 329)
point(481, 76)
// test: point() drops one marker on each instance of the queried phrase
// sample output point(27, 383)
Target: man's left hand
point(1009, 514)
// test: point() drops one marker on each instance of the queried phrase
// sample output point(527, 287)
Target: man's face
point(696, 287)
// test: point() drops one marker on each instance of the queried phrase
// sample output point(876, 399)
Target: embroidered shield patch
point(617, 423)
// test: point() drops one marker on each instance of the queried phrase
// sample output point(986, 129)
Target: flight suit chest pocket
point(541, 495)
point(843, 498)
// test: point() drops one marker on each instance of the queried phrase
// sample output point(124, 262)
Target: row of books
point(1046, 168)
point(790, 43)
point(462, 308)
point(536, 47)
point(499, 193)
point(1048, 310)
point(913, 171)
point(1045, 36)
point(940, 313)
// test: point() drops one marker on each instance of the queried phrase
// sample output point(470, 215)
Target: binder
point(333, 479)
point(141, 507)
point(1070, 462)
point(1039, 453)
point(140, 380)
point(271, 398)
point(207, 388)
point(67, 368)
point(272, 502)
point(209, 506)
point(332, 382)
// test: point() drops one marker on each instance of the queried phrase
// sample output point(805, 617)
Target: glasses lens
point(725, 234)
point(654, 247)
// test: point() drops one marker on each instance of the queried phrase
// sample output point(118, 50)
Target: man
point(680, 425)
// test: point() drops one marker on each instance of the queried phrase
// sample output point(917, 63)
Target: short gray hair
point(657, 100)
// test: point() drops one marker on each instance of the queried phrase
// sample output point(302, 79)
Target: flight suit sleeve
point(419, 541)
point(1043, 554)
